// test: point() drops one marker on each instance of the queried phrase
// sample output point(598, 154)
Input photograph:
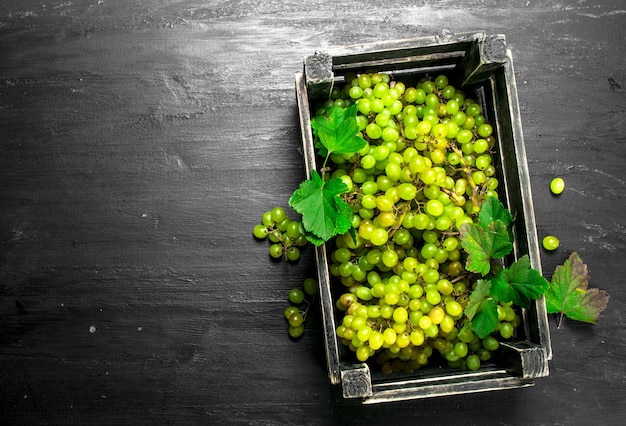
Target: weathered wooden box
point(482, 66)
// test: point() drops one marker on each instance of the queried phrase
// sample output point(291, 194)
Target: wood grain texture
point(140, 141)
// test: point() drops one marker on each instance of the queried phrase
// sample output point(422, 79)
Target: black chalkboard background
point(140, 142)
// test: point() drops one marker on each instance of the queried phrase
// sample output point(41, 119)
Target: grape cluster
point(426, 168)
point(299, 304)
point(286, 236)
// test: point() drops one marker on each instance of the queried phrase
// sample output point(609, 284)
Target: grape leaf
point(483, 244)
point(324, 213)
point(486, 320)
point(519, 284)
point(569, 293)
point(482, 310)
point(491, 210)
point(337, 130)
point(477, 297)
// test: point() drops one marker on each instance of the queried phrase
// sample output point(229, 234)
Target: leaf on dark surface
point(569, 293)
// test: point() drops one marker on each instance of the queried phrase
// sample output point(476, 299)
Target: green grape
point(290, 310)
point(381, 152)
point(364, 81)
point(390, 258)
point(473, 362)
point(557, 185)
point(506, 330)
point(454, 308)
point(376, 340)
point(283, 224)
point(441, 81)
point(356, 92)
point(429, 87)
point(292, 253)
point(483, 355)
point(267, 219)
point(260, 231)
point(460, 349)
point(484, 130)
point(400, 314)
point(447, 324)
point(464, 136)
point(437, 314)
point(373, 131)
point(296, 331)
point(550, 242)
point(448, 92)
point(490, 343)
point(364, 293)
point(466, 335)
point(433, 297)
point(276, 251)
point(310, 287)
point(296, 296)
point(364, 333)
point(434, 208)
point(296, 319)
point(358, 323)
point(407, 191)
point(294, 229)
point(278, 214)
point(473, 109)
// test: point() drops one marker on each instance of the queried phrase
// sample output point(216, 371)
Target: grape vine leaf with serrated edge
point(519, 283)
point(337, 131)
point(483, 244)
point(569, 293)
point(476, 298)
point(491, 210)
point(486, 320)
point(323, 212)
point(482, 310)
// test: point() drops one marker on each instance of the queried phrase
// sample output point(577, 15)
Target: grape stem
point(404, 210)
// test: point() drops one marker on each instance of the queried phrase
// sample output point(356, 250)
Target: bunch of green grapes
point(425, 170)
point(286, 236)
point(299, 304)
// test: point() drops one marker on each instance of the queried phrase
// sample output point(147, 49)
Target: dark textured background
point(140, 141)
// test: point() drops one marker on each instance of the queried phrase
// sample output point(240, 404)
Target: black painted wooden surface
point(140, 141)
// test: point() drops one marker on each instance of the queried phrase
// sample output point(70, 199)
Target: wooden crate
point(481, 65)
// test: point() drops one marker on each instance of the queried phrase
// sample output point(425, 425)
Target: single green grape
point(292, 253)
point(293, 229)
point(297, 331)
point(550, 242)
point(557, 185)
point(296, 319)
point(267, 219)
point(296, 296)
point(473, 362)
point(278, 214)
point(490, 343)
point(276, 251)
point(310, 286)
point(506, 330)
point(260, 231)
